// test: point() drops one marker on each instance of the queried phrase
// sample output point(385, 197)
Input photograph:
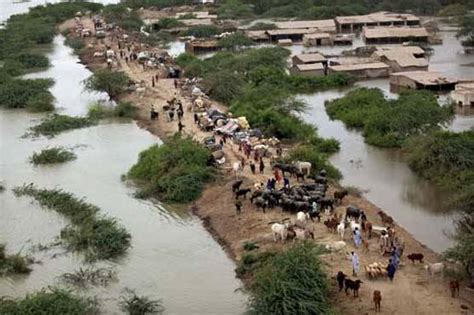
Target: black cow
point(327, 203)
point(353, 212)
point(236, 186)
point(353, 285)
point(341, 276)
point(242, 192)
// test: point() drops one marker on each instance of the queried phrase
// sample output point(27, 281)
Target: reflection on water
point(172, 255)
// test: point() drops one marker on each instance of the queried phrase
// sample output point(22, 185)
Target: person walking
point(391, 270)
point(196, 118)
point(262, 166)
point(238, 206)
point(357, 237)
point(355, 263)
point(286, 182)
point(152, 81)
point(180, 126)
point(242, 162)
point(252, 166)
point(175, 83)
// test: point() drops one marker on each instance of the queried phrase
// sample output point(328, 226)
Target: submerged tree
point(111, 82)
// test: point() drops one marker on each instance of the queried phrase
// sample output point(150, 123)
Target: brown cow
point(454, 286)
point(377, 300)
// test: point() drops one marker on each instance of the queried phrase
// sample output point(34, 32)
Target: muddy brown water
point(172, 256)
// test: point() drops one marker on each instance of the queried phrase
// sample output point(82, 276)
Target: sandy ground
point(412, 292)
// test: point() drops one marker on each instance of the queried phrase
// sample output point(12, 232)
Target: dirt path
point(412, 291)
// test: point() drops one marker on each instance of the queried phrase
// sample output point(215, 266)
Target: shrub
point(51, 301)
point(42, 102)
point(55, 124)
point(133, 304)
point(249, 246)
point(32, 61)
point(122, 109)
point(317, 159)
point(16, 93)
point(233, 9)
point(167, 23)
point(202, 31)
point(235, 41)
point(111, 82)
point(13, 68)
point(262, 26)
point(52, 155)
point(90, 275)
point(13, 263)
point(175, 171)
point(99, 237)
point(76, 43)
point(291, 282)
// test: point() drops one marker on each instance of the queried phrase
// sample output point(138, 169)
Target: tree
point(235, 41)
point(467, 30)
point(111, 82)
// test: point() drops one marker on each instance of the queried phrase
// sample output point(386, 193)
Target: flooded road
point(172, 256)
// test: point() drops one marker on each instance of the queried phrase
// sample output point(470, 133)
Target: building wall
point(294, 70)
point(366, 73)
point(463, 99)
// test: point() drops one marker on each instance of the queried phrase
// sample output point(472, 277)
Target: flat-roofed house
point(402, 59)
point(463, 94)
point(356, 23)
point(322, 26)
point(257, 36)
point(421, 80)
point(311, 69)
point(293, 34)
point(317, 39)
point(309, 59)
point(394, 35)
point(362, 70)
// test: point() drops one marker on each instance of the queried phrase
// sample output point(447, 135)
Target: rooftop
point(465, 87)
point(360, 66)
point(382, 32)
point(317, 35)
point(404, 56)
point(197, 14)
point(311, 58)
point(310, 66)
point(376, 17)
point(196, 22)
point(256, 34)
point(426, 77)
point(321, 25)
point(290, 31)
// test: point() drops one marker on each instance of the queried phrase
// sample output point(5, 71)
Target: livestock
point(341, 228)
point(354, 226)
point(341, 276)
point(315, 214)
point(335, 246)
point(327, 203)
point(256, 194)
point(280, 231)
point(285, 168)
point(386, 219)
point(377, 300)
point(353, 285)
point(435, 268)
point(236, 186)
point(319, 179)
point(339, 195)
point(302, 218)
point(375, 270)
point(261, 203)
point(416, 257)
point(331, 224)
point(141, 91)
point(367, 227)
point(98, 54)
point(453, 287)
point(366, 245)
point(242, 192)
point(303, 167)
point(237, 168)
point(303, 234)
point(353, 212)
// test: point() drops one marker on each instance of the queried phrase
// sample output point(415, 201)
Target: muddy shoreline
point(216, 210)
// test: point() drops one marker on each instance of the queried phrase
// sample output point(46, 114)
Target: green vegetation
point(98, 236)
point(202, 31)
point(233, 9)
point(249, 246)
point(454, 10)
point(287, 282)
point(90, 275)
point(13, 263)
point(52, 155)
point(133, 304)
point(175, 171)
point(388, 123)
point(235, 41)
point(55, 124)
point(262, 26)
point(76, 43)
point(317, 157)
point(122, 110)
point(51, 301)
point(123, 17)
point(32, 94)
point(111, 82)
point(167, 23)
point(467, 30)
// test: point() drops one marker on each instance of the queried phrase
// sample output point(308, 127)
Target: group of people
point(170, 110)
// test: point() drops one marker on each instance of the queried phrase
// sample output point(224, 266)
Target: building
point(317, 39)
point(309, 59)
point(356, 23)
point(342, 39)
point(322, 26)
point(294, 35)
point(200, 46)
point(421, 80)
point(394, 35)
point(197, 15)
point(362, 70)
point(312, 69)
point(285, 42)
point(463, 94)
point(402, 59)
point(258, 36)
point(196, 22)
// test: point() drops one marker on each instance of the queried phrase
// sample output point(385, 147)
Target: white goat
point(341, 229)
point(141, 91)
point(303, 234)
point(435, 268)
point(303, 167)
point(280, 231)
point(98, 54)
point(302, 218)
point(335, 246)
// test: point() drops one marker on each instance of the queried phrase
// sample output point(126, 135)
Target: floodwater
point(172, 256)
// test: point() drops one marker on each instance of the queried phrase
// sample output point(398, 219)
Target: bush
point(167, 23)
point(122, 109)
point(16, 93)
point(51, 301)
point(262, 26)
point(76, 43)
point(235, 41)
point(90, 275)
point(133, 304)
point(175, 171)
point(111, 82)
point(55, 124)
point(99, 237)
point(52, 155)
point(317, 159)
point(233, 9)
point(12, 68)
point(291, 282)
point(42, 102)
point(32, 61)
point(202, 31)
point(13, 263)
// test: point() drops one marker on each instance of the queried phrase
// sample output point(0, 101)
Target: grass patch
point(98, 236)
point(55, 124)
point(249, 246)
point(133, 304)
point(93, 276)
point(175, 171)
point(388, 123)
point(51, 301)
point(52, 155)
point(122, 110)
point(13, 263)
